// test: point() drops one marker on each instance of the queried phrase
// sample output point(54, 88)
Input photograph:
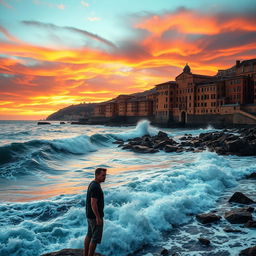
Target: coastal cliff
point(73, 112)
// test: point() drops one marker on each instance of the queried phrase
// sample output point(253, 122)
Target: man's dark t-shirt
point(94, 190)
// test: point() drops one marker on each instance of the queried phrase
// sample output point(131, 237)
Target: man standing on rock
point(94, 212)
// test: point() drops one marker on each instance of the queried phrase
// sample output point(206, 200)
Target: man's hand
point(99, 221)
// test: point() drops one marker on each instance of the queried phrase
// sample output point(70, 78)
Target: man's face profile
point(101, 176)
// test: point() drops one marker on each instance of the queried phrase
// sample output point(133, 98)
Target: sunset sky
point(57, 53)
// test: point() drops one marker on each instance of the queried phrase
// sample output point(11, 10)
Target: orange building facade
point(191, 95)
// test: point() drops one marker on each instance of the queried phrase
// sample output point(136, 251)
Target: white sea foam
point(143, 128)
point(136, 213)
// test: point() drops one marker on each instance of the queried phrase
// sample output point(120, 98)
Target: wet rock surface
point(234, 142)
point(240, 198)
point(251, 176)
point(251, 251)
point(204, 241)
point(206, 218)
point(238, 216)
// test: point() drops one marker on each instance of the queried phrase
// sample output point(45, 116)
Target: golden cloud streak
point(36, 81)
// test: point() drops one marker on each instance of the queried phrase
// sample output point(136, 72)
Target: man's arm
point(95, 210)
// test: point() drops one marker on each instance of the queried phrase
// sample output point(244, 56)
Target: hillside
point(73, 112)
point(84, 110)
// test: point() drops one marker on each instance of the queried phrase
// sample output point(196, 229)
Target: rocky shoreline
point(241, 142)
point(237, 215)
point(240, 213)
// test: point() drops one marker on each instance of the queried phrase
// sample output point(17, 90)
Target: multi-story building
point(126, 105)
point(191, 96)
point(165, 98)
point(248, 68)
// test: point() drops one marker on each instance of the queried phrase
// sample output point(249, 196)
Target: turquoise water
point(45, 170)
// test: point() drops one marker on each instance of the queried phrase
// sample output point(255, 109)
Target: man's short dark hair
point(99, 170)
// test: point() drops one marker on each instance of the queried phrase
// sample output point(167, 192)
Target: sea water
point(150, 199)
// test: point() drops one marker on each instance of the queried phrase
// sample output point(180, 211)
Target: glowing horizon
point(92, 51)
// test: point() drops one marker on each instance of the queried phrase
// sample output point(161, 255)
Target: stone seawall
point(217, 121)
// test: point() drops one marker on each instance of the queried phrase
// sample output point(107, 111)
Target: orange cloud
point(192, 22)
point(38, 80)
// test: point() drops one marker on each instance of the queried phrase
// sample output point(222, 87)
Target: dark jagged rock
point(68, 252)
point(143, 149)
point(164, 252)
point(162, 134)
point(248, 209)
point(43, 123)
point(248, 252)
point(161, 144)
point(219, 142)
point(238, 216)
point(240, 198)
point(170, 148)
point(179, 150)
point(62, 123)
point(230, 230)
point(127, 146)
point(204, 241)
point(250, 224)
point(206, 218)
point(251, 176)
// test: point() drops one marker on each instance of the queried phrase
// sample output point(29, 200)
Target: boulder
point(147, 143)
point(219, 150)
point(204, 241)
point(143, 149)
point(170, 148)
point(206, 218)
point(162, 134)
point(238, 216)
point(179, 150)
point(251, 176)
point(68, 252)
point(206, 136)
point(127, 146)
point(135, 142)
point(43, 123)
point(248, 209)
point(196, 143)
point(186, 144)
point(248, 252)
point(163, 143)
point(164, 252)
point(250, 224)
point(238, 147)
point(240, 198)
point(230, 230)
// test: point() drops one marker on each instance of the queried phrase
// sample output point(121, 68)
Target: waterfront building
point(193, 98)
point(165, 101)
